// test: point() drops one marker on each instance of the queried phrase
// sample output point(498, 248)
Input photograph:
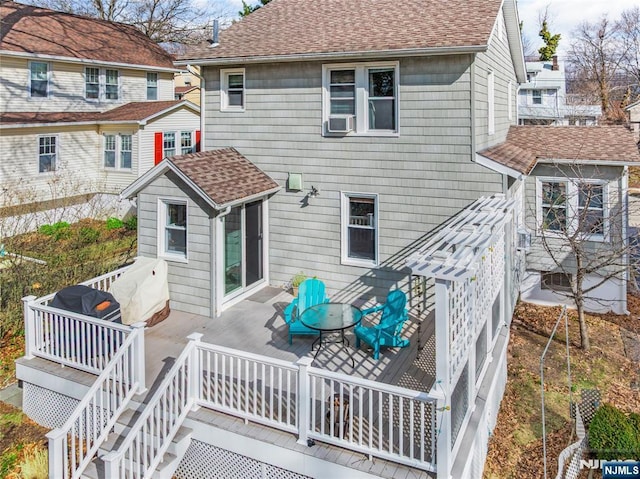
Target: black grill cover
point(84, 300)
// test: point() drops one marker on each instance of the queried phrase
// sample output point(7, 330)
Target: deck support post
point(444, 458)
point(29, 327)
point(194, 370)
point(303, 399)
point(138, 356)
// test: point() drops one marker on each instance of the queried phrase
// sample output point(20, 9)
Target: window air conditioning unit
point(341, 124)
point(524, 240)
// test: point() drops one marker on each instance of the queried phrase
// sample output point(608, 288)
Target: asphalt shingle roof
point(224, 175)
point(525, 145)
point(28, 29)
point(134, 111)
point(298, 27)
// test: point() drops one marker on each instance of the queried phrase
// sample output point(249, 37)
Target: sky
point(566, 15)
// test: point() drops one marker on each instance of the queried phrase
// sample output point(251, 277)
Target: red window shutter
point(197, 140)
point(158, 148)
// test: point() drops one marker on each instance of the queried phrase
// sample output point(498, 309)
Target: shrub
point(88, 235)
point(114, 223)
point(35, 465)
point(297, 279)
point(131, 223)
point(57, 231)
point(613, 435)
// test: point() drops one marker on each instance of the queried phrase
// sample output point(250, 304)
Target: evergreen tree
point(247, 9)
point(550, 43)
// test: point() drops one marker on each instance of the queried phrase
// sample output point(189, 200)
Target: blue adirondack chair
point(387, 331)
point(310, 293)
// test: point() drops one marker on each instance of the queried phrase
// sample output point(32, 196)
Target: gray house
point(370, 131)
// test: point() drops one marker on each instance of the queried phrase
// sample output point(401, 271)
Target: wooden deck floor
point(257, 325)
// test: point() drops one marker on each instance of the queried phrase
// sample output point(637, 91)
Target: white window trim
point(48, 81)
point(491, 103)
point(362, 96)
point(162, 223)
point(57, 168)
point(344, 229)
point(572, 207)
point(157, 86)
point(178, 141)
point(118, 150)
point(224, 85)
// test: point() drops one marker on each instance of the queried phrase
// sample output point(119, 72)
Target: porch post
point(56, 452)
point(444, 461)
point(303, 399)
point(138, 356)
point(29, 327)
point(194, 370)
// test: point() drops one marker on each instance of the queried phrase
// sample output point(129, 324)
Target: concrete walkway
point(12, 395)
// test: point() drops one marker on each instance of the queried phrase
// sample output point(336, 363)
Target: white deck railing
point(145, 444)
point(72, 339)
point(73, 446)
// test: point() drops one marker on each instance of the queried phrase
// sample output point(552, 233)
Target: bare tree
point(582, 231)
point(164, 21)
point(629, 32)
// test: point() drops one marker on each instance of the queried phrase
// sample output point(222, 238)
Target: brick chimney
point(555, 66)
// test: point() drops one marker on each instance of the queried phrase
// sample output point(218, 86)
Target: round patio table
point(331, 318)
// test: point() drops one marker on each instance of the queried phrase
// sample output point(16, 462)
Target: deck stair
point(170, 461)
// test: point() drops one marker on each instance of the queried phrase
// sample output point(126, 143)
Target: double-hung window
point(111, 84)
point(152, 86)
point(232, 91)
point(109, 151)
point(125, 151)
point(117, 147)
point(361, 98)
point(47, 153)
point(591, 208)
point(169, 144)
point(554, 205)
point(173, 229)
point(567, 207)
point(38, 79)
point(186, 142)
point(92, 83)
point(536, 97)
point(360, 229)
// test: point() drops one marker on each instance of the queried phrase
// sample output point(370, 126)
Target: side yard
point(611, 366)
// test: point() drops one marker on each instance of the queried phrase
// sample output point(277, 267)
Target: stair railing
point(73, 446)
point(143, 448)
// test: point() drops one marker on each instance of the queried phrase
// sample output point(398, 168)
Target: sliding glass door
point(243, 247)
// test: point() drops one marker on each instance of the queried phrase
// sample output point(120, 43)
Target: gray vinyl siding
point(423, 176)
point(537, 258)
point(497, 59)
point(189, 283)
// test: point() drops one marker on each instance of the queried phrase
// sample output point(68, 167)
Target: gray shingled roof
point(303, 27)
point(525, 145)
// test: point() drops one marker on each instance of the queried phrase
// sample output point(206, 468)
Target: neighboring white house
point(83, 114)
point(543, 100)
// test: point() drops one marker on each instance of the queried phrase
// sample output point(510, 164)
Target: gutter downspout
point(624, 192)
point(202, 109)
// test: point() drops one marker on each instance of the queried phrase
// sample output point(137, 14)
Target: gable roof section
point(221, 177)
point(140, 112)
point(527, 145)
point(35, 31)
point(298, 28)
